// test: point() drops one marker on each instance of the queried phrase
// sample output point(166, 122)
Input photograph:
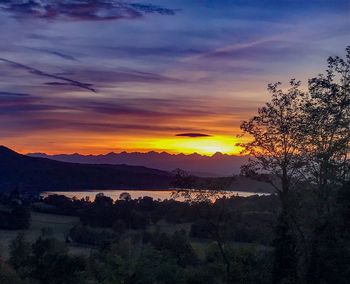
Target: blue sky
point(95, 76)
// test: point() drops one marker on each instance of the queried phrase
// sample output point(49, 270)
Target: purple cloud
point(67, 81)
point(57, 53)
point(98, 75)
point(83, 9)
point(12, 94)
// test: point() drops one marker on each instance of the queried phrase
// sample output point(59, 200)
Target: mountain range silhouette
point(209, 166)
point(37, 174)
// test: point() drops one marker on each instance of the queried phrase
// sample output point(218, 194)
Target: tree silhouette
point(277, 139)
point(327, 133)
point(327, 149)
point(276, 148)
point(305, 136)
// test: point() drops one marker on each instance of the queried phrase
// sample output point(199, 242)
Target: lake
point(135, 194)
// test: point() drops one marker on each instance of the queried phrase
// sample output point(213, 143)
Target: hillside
point(37, 174)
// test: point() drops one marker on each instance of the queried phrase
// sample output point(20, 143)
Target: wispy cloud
point(38, 72)
point(119, 75)
point(57, 53)
point(12, 94)
point(82, 10)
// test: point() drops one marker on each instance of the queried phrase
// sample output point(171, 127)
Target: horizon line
point(136, 152)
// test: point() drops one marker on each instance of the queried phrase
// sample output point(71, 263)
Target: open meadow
point(57, 226)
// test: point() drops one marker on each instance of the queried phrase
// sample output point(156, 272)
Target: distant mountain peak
point(219, 155)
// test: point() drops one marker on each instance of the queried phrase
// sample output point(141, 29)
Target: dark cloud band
point(12, 94)
point(193, 135)
point(38, 72)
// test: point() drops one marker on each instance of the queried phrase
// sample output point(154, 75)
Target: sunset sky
point(178, 76)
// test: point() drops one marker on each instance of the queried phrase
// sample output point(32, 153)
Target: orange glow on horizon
point(204, 146)
point(102, 145)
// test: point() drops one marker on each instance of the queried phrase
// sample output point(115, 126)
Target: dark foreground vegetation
point(301, 234)
point(147, 241)
point(232, 240)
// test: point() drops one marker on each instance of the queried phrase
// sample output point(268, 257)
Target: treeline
point(17, 218)
point(14, 211)
point(131, 247)
point(214, 250)
point(248, 219)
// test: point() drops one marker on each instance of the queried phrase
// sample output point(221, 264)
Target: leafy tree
point(16, 218)
point(20, 250)
point(327, 133)
point(8, 276)
point(125, 196)
point(327, 148)
point(21, 217)
point(306, 137)
point(46, 261)
point(154, 267)
point(277, 138)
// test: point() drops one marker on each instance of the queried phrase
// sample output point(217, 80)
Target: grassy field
point(164, 227)
point(57, 225)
